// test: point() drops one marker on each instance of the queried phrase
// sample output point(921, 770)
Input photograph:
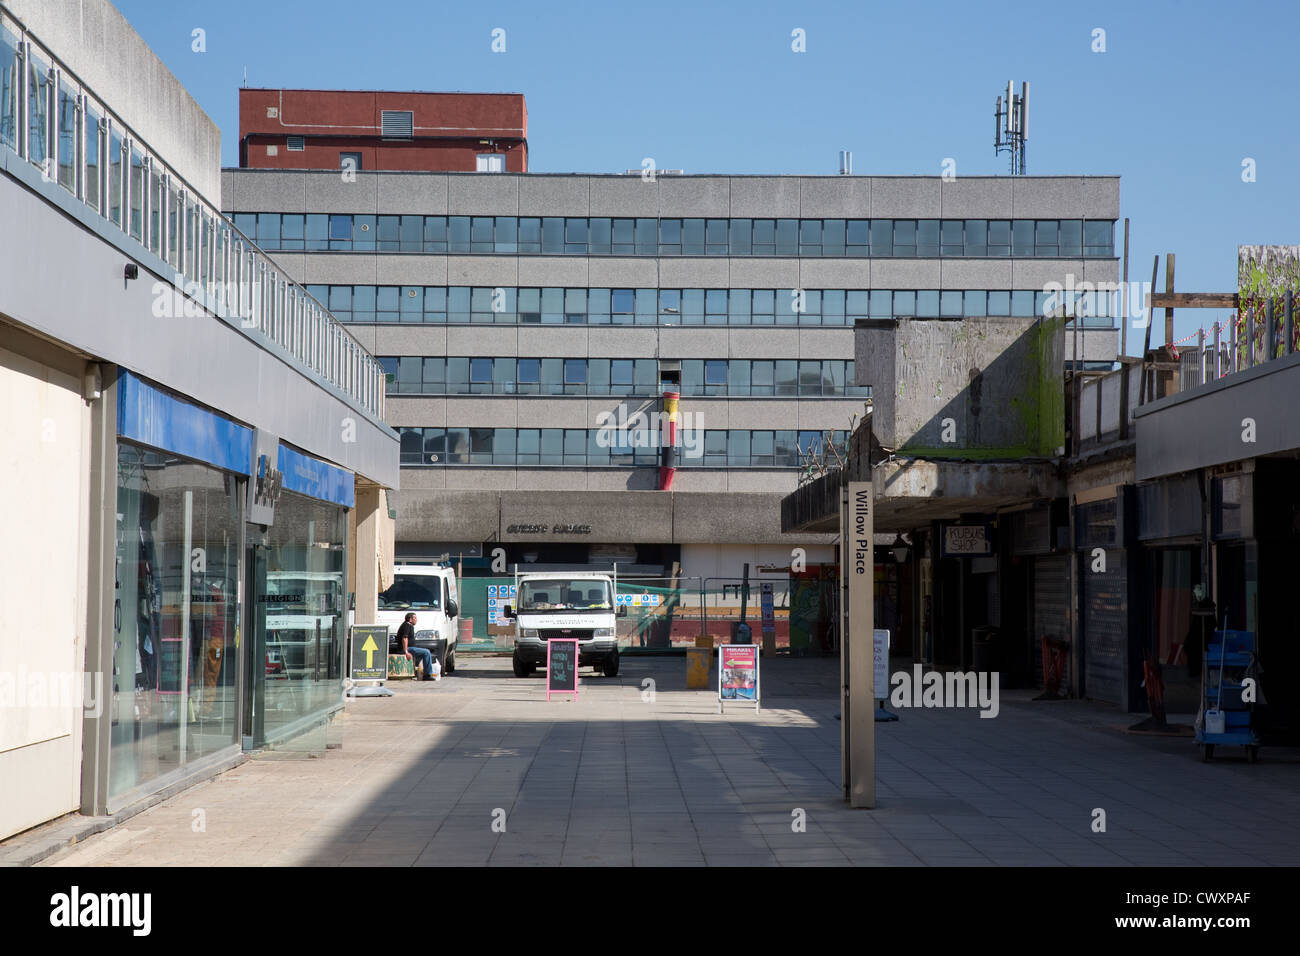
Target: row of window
point(438, 305)
point(579, 376)
point(596, 447)
point(61, 129)
point(599, 236)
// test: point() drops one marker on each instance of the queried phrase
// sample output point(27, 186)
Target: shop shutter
point(1104, 628)
point(1051, 608)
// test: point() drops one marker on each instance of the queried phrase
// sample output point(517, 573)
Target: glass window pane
point(977, 236)
point(530, 235)
point(9, 92)
point(552, 236)
point(38, 115)
point(67, 132)
point(927, 304)
point(115, 185)
point(999, 238)
point(833, 237)
point(435, 233)
point(1022, 302)
point(1046, 237)
point(950, 238)
point(458, 232)
point(787, 237)
point(740, 237)
point(950, 304)
point(1099, 238)
point(600, 238)
point(927, 237)
point(787, 377)
point(1022, 237)
point(1071, 237)
point(882, 237)
point(904, 303)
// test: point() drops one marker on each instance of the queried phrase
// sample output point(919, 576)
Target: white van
point(428, 590)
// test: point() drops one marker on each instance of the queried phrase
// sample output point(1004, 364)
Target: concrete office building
point(515, 312)
point(192, 453)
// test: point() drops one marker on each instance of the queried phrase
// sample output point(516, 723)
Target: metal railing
point(53, 121)
point(1263, 329)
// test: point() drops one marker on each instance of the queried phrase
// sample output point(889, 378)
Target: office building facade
point(524, 319)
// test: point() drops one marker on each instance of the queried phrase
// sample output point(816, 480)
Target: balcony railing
point(53, 121)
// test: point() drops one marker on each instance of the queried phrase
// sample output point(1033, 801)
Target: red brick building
point(376, 130)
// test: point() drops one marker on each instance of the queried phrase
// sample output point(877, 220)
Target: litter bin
point(984, 649)
point(740, 633)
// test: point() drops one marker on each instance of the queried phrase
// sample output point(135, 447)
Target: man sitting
point(404, 644)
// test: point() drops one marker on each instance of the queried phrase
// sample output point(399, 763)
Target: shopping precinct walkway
point(433, 775)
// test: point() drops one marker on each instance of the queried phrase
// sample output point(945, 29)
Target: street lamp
point(900, 549)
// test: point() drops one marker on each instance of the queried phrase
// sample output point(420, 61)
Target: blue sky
point(1184, 92)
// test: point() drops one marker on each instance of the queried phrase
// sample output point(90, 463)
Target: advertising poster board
point(562, 667)
point(370, 653)
point(738, 674)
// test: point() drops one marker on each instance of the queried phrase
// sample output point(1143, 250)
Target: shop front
point(226, 632)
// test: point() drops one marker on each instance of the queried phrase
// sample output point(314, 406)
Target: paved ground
point(616, 778)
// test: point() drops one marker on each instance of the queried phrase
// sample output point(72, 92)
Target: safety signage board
point(498, 596)
point(639, 600)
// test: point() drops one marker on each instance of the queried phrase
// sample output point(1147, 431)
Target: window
point(490, 163)
point(295, 144)
point(1098, 238)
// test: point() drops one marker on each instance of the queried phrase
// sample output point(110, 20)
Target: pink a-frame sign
point(562, 668)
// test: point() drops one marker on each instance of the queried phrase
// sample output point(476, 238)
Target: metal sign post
point(859, 719)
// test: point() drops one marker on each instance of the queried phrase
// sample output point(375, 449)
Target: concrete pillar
point(366, 517)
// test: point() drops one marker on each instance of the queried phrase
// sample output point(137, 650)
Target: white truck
point(430, 592)
point(566, 604)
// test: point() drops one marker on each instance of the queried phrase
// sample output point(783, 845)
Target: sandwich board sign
point(562, 667)
point(738, 675)
point(369, 662)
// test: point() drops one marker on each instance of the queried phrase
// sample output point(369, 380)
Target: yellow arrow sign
point(370, 647)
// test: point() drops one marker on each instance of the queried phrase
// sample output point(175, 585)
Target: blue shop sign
point(310, 476)
point(152, 417)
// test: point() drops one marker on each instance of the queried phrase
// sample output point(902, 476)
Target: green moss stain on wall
point(1027, 399)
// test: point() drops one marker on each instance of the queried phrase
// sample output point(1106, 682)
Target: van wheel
point(610, 667)
point(451, 663)
point(522, 669)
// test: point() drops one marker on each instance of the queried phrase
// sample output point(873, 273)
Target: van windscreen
point(412, 592)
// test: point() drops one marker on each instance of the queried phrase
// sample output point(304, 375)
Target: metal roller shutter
point(1104, 628)
point(1051, 607)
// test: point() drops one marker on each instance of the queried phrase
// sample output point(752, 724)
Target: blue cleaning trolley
point(1225, 718)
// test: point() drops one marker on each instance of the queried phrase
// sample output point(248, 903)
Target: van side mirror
point(452, 608)
point(621, 611)
point(508, 611)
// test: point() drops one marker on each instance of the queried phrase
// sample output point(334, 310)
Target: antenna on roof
point(245, 83)
point(1011, 126)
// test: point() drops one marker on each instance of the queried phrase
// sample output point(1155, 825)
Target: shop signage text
point(553, 529)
